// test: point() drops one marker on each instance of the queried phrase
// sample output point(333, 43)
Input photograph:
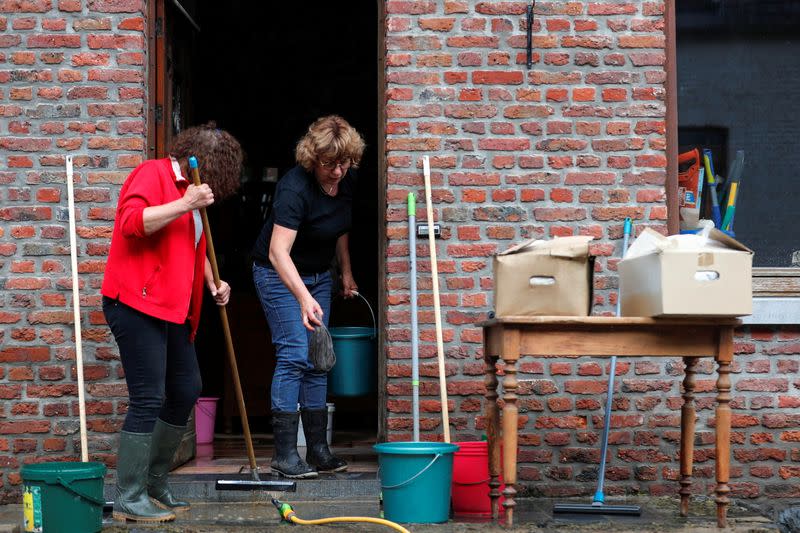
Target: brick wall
point(572, 146)
point(71, 81)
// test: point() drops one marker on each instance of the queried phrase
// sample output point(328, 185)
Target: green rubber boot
point(166, 439)
point(131, 501)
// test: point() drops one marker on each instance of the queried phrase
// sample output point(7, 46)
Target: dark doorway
point(264, 71)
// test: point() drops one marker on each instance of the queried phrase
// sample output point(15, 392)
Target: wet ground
point(531, 515)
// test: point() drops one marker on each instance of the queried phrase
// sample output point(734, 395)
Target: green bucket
point(63, 497)
point(415, 480)
point(356, 370)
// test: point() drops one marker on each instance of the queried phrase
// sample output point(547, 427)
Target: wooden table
point(509, 338)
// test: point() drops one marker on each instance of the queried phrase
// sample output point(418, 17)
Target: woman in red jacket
point(152, 292)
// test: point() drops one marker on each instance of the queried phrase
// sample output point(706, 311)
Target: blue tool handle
point(716, 216)
point(192, 161)
point(599, 497)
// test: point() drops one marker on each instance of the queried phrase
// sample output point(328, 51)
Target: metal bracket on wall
point(529, 29)
point(422, 230)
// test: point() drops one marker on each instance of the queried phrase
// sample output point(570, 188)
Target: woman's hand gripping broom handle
point(223, 314)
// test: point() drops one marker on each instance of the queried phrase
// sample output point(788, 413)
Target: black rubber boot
point(315, 426)
point(131, 501)
point(166, 439)
point(286, 461)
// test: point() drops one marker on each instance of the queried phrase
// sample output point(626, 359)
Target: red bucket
point(470, 489)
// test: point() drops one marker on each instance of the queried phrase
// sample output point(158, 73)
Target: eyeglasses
point(331, 165)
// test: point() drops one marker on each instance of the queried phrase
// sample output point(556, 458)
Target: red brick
point(497, 77)
point(53, 41)
point(473, 42)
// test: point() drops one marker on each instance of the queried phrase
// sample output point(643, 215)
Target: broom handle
point(226, 328)
point(436, 308)
point(599, 495)
point(76, 309)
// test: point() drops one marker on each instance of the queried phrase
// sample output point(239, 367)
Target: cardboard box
point(541, 277)
point(686, 275)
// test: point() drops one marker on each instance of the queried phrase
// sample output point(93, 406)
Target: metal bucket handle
point(372, 314)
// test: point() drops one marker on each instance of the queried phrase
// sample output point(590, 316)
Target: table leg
point(723, 425)
point(492, 415)
point(687, 433)
point(510, 356)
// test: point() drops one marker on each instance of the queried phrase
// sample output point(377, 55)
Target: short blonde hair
point(330, 138)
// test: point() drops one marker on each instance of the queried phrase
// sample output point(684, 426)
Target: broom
point(255, 483)
point(598, 505)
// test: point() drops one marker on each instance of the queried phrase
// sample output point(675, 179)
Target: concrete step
point(338, 486)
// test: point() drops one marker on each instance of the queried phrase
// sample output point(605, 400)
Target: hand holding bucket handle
point(371, 313)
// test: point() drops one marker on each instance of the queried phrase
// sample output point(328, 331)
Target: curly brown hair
point(331, 138)
point(219, 156)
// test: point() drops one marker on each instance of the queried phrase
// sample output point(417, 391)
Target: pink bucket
point(205, 414)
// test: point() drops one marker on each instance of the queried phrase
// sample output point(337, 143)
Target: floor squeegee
point(598, 505)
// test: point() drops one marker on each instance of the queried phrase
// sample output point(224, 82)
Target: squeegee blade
point(577, 508)
point(247, 484)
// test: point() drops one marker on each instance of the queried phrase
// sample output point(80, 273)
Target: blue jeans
point(295, 380)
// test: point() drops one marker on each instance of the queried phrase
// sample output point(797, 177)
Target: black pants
point(160, 367)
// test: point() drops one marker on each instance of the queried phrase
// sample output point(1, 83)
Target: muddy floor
point(531, 515)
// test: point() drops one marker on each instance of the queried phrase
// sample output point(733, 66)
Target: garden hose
point(288, 514)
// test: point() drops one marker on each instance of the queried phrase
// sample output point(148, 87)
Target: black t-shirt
point(319, 219)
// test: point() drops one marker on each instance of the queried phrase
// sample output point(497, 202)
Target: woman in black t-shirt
point(308, 226)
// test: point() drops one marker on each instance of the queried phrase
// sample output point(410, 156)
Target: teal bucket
point(63, 497)
point(356, 370)
point(415, 480)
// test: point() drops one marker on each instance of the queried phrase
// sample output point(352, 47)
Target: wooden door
point(163, 123)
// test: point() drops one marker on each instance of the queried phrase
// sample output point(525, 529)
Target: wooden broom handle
point(226, 328)
point(436, 307)
point(76, 309)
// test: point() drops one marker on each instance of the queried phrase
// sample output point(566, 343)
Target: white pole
point(76, 309)
point(436, 308)
point(412, 251)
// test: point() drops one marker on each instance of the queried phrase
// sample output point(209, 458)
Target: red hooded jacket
point(160, 275)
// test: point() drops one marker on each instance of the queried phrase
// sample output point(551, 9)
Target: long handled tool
point(426, 167)
point(732, 188)
point(76, 309)
point(598, 505)
point(412, 253)
point(223, 314)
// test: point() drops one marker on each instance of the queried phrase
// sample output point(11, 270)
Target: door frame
point(159, 133)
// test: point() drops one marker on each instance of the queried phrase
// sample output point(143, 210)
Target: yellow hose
point(381, 521)
point(288, 514)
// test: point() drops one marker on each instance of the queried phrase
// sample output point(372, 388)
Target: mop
point(598, 505)
point(255, 483)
